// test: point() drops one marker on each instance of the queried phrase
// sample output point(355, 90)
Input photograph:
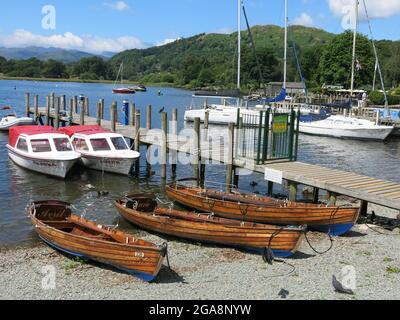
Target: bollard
point(113, 116)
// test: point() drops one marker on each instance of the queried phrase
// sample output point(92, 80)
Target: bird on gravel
point(283, 293)
point(339, 287)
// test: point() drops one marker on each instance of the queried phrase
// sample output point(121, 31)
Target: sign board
point(272, 175)
point(280, 123)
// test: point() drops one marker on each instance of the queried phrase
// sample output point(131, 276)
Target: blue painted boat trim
point(141, 275)
point(334, 230)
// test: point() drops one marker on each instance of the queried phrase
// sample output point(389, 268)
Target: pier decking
point(336, 182)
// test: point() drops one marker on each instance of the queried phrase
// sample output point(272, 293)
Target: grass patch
point(393, 270)
point(387, 259)
point(367, 253)
point(72, 264)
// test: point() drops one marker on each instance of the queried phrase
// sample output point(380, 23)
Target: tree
point(94, 66)
point(54, 69)
point(3, 62)
point(336, 58)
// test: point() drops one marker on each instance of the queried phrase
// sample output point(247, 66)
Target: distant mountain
point(44, 54)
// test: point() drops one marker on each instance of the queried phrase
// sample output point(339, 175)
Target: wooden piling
point(63, 103)
point(315, 195)
point(364, 208)
point(148, 117)
point(57, 113)
point(132, 114)
point(36, 108)
point(137, 130)
point(82, 114)
point(229, 164)
point(164, 147)
point(98, 113)
point(174, 156)
point(75, 108)
point(196, 150)
point(102, 109)
point(270, 188)
point(87, 107)
point(71, 110)
point(48, 110)
point(292, 191)
point(53, 100)
point(27, 104)
point(206, 120)
point(113, 116)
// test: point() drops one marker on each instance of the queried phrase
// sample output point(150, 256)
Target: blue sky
point(108, 25)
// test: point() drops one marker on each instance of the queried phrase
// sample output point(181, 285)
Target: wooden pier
point(335, 182)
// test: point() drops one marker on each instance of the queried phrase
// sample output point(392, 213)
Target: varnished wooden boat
point(330, 219)
point(59, 228)
point(142, 211)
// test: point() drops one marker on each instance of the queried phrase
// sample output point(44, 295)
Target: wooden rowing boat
point(59, 228)
point(330, 219)
point(142, 211)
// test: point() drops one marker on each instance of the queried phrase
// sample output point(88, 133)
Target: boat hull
point(120, 166)
point(5, 126)
point(124, 91)
point(283, 241)
point(378, 134)
point(266, 210)
point(140, 261)
point(54, 168)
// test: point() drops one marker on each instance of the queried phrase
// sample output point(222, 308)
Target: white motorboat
point(101, 149)
point(12, 120)
point(346, 127)
point(42, 149)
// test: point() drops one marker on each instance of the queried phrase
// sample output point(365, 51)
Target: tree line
point(209, 61)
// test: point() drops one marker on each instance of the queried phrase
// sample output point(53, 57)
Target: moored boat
point(330, 219)
point(11, 120)
point(42, 149)
point(102, 149)
point(142, 211)
point(58, 227)
point(124, 91)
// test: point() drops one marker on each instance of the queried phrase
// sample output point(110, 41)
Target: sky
point(107, 25)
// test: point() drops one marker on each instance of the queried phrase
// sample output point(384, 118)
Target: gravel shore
point(209, 272)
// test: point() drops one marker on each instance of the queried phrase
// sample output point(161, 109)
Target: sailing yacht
point(122, 90)
point(348, 127)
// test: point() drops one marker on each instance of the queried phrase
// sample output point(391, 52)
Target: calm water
point(19, 186)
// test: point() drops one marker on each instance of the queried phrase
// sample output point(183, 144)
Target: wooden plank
point(388, 186)
point(366, 181)
point(389, 193)
point(379, 186)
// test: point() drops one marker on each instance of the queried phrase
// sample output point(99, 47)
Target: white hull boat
point(12, 121)
point(346, 128)
point(101, 149)
point(42, 150)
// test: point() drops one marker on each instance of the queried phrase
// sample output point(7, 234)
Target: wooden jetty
point(335, 182)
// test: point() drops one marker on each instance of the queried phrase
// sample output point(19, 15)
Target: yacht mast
point(285, 53)
point(239, 16)
point(354, 48)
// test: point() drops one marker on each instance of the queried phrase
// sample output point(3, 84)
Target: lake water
point(18, 186)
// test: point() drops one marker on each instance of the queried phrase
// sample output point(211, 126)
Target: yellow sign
point(280, 123)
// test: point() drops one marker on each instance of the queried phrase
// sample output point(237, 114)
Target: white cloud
point(376, 8)
point(304, 20)
point(223, 31)
point(119, 5)
point(88, 43)
point(166, 41)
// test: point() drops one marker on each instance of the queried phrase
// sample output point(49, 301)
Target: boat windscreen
point(41, 145)
point(119, 143)
point(100, 144)
point(62, 144)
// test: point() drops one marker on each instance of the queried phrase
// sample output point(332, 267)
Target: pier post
point(132, 114)
point(102, 109)
point(82, 114)
point(75, 105)
point(137, 140)
point(53, 100)
point(113, 116)
point(27, 104)
point(206, 119)
point(174, 154)
point(36, 108)
point(48, 110)
point(292, 191)
point(164, 145)
point(71, 110)
point(229, 164)
point(98, 113)
point(332, 198)
point(364, 208)
point(148, 117)
point(63, 103)
point(57, 114)
point(315, 195)
point(87, 107)
point(196, 150)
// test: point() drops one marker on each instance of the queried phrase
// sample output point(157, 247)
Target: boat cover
point(278, 98)
point(15, 132)
point(85, 130)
